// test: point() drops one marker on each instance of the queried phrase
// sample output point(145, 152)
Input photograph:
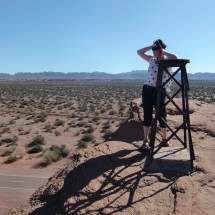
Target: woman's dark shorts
point(149, 96)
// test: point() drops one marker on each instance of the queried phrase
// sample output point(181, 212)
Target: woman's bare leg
point(163, 131)
point(146, 130)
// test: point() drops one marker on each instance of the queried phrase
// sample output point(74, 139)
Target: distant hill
point(50, 75)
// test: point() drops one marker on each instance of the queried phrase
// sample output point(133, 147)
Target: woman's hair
point(160, 43)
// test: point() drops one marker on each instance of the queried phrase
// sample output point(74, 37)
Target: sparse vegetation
point(83, 110)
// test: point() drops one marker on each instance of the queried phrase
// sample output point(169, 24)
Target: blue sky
point(103, 35)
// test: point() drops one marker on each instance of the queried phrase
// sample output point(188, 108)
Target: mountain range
point(50, 75)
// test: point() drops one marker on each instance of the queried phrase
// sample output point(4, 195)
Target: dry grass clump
point(7, 151)
point(11, 154)
point(48, 127)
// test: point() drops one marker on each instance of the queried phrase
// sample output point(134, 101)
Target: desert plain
point(45, 125)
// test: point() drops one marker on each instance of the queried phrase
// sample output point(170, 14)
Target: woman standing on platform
point(149, 93)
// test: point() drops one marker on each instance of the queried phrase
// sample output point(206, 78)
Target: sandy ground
point(198, 188)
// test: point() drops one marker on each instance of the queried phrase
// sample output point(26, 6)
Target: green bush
point(107, 134)
point(102, 110)
point(81, 124)
point(59, 122)
point(10, 159)
point(82, 144)
point(7, 140)
point(38, 140)
point(35, 145)
point(112, 112)
point(106, 125)
point(90, 130)
point(50, 157)
point(87, 137)
point(61, 150)
point(54, 154)
point(80, 118)
point(73, 115)
point(34, 149)
point(41, 117)
point(96, 119)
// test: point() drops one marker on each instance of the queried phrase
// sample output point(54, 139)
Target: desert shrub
point(90, 129)
point(54, 154)
point(73, 115)
point(22, 132)
point(41, 117)
point(73, 125)
point(92, 108)
point(38, 140)
point(59, 122)
point(107, 134)
point(60, 108)
point(12, 121)
point(112, 112)
point(57, 133)
point(5, 130)
point(87, 137)
point(2, 125)
point(48, 127)
point(82, 108)
point(109, 106)
point(7, 140)
point(106, 125)
point(82, 144)
point(77, 133)
point(102, 110)
point(61, 150)
point(96, 113)
point(67, 129)
point(96, 119)
point(80, 118)
point(10, 159)
point(34, 149)
point(15, 138)
point(50, 157)
point(21, 106)
point(18, 153)
point(35, 145)
point(8, 151)
point(121, 108)
point(81, 124)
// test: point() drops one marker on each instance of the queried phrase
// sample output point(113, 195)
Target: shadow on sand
point(114, 185)
point(129, 132)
